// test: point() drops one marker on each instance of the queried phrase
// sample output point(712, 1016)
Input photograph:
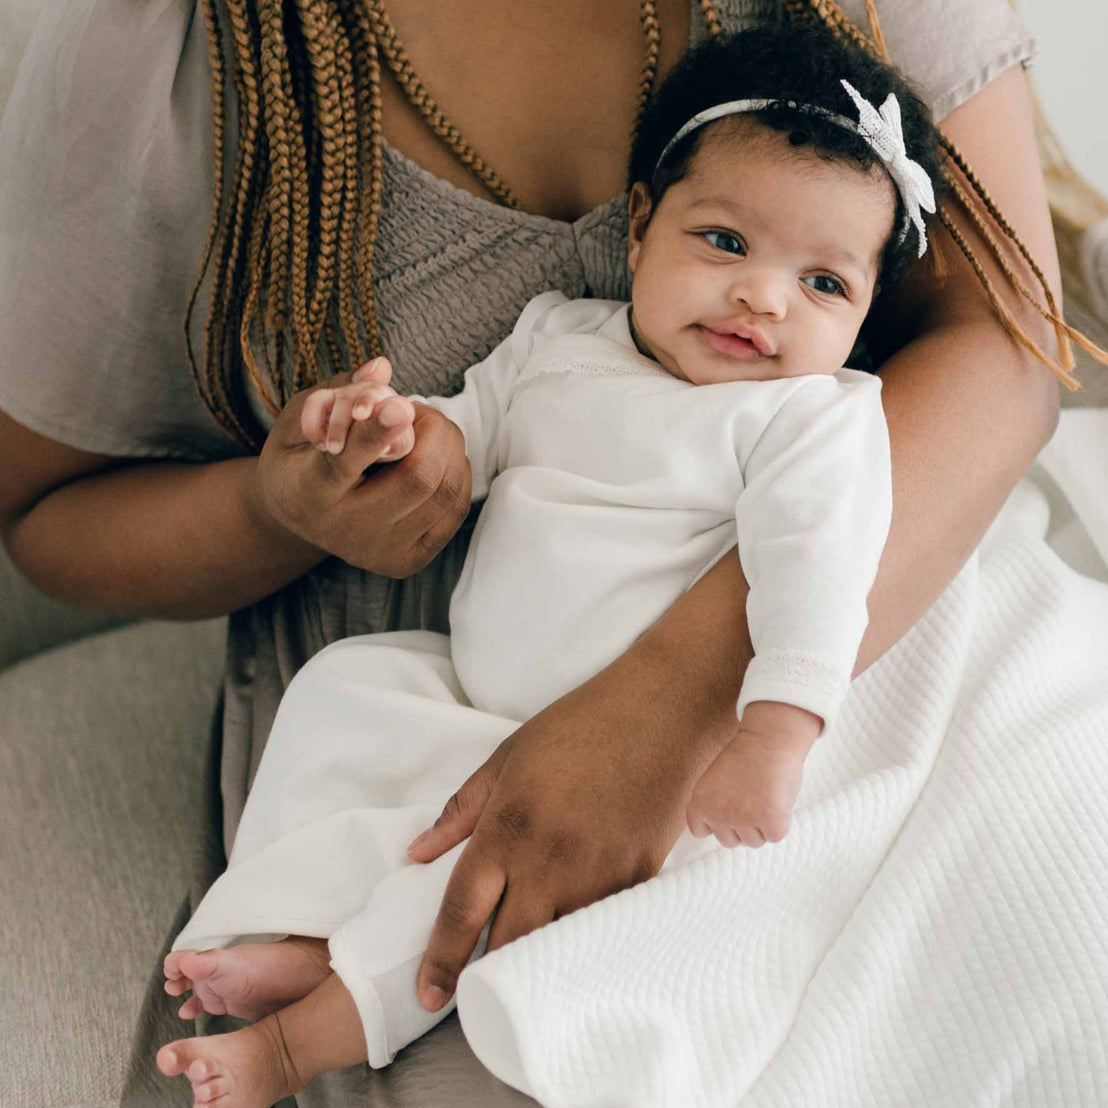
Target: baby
point(622, 450)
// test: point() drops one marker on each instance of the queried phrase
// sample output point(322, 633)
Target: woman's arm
point(184, 541)
point(968, 410)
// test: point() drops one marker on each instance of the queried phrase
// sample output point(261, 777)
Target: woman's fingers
point(461, 812)
point(518, 915)
point(471, 897)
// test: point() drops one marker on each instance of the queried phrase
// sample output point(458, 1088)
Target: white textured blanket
point(932, 931)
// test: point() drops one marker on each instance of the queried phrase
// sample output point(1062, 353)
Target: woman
point(968, 408)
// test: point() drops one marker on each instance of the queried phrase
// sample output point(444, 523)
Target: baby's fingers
point(351, 402)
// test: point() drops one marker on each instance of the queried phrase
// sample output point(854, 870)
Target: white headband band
point(881, 131)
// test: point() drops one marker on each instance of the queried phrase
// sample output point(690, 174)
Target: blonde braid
point(711, 18)
point(218, 64)
point(274, 63)
point(370, 143)
point(320, 28)
point(652, 32)
point(421, 99)
point(347, 317)
point(254, 168)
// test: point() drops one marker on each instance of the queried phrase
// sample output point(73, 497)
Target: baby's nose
point(763, 292)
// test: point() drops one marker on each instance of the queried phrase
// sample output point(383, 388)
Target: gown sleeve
point(812, 521)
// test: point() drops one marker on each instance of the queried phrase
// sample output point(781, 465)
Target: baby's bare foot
point(246, 1069)
point(248, 981)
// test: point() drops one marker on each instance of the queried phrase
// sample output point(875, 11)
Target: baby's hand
point(746, 796)
point(328, 413)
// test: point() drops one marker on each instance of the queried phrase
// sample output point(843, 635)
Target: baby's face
point(760, 263)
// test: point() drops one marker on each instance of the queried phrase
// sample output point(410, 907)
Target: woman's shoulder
point(105, 205)
point(950, 49)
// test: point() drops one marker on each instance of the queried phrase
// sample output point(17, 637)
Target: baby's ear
point(639, 209)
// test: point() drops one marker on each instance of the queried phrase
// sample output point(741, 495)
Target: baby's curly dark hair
point(804, 63)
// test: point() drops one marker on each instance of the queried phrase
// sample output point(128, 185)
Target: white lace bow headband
point(881, 130)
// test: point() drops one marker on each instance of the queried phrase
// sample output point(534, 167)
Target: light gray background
point(1071, 74)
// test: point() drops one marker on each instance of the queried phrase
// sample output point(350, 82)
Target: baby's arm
point(812, 522)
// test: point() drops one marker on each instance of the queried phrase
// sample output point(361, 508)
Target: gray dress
point(104, 210)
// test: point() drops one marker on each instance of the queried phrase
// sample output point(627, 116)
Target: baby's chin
point(718, 371)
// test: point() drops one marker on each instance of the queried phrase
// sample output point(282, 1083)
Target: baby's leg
point(248, 981)
point(274, 1058)
point(378, 953)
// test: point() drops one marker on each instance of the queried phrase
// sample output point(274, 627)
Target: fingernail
point(361, 411)
point(418, 841)
point(433, 998)
point(334, 448)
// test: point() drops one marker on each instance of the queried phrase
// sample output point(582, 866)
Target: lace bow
point(882, 130)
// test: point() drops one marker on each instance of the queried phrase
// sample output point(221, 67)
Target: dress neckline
point(464, 198)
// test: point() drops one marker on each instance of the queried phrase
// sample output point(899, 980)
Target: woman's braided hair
point(293, 239)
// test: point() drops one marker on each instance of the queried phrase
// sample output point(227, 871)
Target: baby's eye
point(724, 240)
point(830, 286)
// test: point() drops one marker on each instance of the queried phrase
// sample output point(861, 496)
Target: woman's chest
point(545, 92)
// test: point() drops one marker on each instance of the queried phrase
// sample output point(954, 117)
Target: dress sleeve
point(106, 174)
point(812, 521)
point(951, 49)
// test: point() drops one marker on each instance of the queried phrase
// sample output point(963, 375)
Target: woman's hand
point(589, 796)
point(390, 520)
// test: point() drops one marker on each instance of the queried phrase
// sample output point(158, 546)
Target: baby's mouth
point(734, 345)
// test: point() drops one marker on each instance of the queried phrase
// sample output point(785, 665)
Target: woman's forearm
point(967, 414)
point(160, 539)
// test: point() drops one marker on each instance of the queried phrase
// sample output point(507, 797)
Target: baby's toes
point(174, 1058)
point(197, 965)
point(190, 1009)
point(171, 965)
point(178, 987)
point(207, 1082)
point(208, 1092)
